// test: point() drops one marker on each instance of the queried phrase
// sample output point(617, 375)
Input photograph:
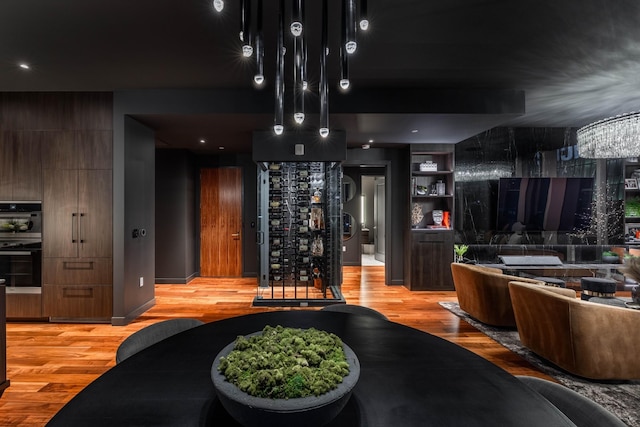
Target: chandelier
point(613, 138)
point(296, 36)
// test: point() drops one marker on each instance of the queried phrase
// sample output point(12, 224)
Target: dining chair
point(580, 410)
point(152, 334)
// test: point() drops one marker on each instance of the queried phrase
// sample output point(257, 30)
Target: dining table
point(407, 378)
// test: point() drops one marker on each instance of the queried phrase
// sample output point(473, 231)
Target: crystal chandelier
point(293, 18)
point(613, 138)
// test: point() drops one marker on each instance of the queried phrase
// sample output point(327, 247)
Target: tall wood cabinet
point(431, 207)
point(20, 165)
point(77, 227)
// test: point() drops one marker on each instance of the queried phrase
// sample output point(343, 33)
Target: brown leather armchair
point(483, 292)
point(588, 339)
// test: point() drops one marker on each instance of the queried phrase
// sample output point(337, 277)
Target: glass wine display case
point(299, 233)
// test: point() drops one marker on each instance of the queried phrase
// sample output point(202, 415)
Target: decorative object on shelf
point(437, 217)
point(428, 166)
point(446, 219)
point(440, 188)
point(630, 184)
point(421, 190)
point(252, 40)
point(459, 251)
point(416, 215)
point(632, 207)
point(317, 247)
point(612, 138)
point(315, 384)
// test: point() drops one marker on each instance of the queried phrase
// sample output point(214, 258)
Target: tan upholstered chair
point(588, 339)
point(483, 292)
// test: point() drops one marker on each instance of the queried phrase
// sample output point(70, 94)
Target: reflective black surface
point(408, 378)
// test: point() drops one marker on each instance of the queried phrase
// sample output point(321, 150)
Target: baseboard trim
point(130, 317)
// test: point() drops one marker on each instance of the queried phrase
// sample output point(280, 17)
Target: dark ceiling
point(576, 60)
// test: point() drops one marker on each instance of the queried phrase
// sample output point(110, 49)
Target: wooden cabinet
point(77, 228)
point(431, 258)
point(20, 165)
point(430, 243)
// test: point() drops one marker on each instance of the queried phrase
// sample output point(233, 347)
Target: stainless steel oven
point(21, 246)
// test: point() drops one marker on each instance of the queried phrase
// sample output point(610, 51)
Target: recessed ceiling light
point(414, 131)
point(24, 66)
point(221, 148)
point(202, 141)
point(371, 141)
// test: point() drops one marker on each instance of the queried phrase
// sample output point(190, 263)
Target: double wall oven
point(21, 246)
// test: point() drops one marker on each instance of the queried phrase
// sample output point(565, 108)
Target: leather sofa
point(483, 292)
point(587, 339)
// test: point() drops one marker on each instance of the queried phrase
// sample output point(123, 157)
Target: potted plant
point(285, 376)
point(459, 251)
point(610, 257)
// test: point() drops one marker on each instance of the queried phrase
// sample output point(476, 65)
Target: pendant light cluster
point(253, 44)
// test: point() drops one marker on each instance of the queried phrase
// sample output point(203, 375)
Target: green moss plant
point(284, 363)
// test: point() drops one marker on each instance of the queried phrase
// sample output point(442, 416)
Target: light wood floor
point(49, 363)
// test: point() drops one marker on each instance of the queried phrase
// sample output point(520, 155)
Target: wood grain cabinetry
point(77, 228)
point(20, 165)
point(431, 258)
point(431, 217)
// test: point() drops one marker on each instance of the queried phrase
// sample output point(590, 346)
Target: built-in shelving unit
point(632, 201)
point(431, 218)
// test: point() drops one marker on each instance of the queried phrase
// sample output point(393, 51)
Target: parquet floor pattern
point(48, 363)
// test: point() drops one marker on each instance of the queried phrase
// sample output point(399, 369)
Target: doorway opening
point(372, 220)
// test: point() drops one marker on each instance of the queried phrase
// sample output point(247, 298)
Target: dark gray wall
point(134, 208)
point(175, 216)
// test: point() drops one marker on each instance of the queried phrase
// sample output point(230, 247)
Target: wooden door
point(221, 222)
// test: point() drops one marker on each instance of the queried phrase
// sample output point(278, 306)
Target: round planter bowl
point(306, 411)
point(610, 259)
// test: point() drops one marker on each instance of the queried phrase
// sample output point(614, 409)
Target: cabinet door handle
point(235, 235)
point(73, 227)
point(80, 228)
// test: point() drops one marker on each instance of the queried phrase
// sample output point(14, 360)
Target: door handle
point(73, 228)
point(235, 235)
point(80, 229)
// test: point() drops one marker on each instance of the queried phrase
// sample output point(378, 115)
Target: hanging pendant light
point(349, 23)
point(364, 17)
point(259, 76)
point(253, 42)
point(298, 67)
point(613, 138)
point(324, 86)
point(245, 32)
point(278, 125)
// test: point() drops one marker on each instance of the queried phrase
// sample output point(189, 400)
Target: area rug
point(621, 398)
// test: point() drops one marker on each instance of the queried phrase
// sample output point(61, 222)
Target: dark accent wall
point(175, 216)
point(140, 213)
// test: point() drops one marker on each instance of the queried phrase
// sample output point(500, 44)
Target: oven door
point(21, 270)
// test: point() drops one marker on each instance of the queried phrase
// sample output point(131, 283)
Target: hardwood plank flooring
point(48, 363)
